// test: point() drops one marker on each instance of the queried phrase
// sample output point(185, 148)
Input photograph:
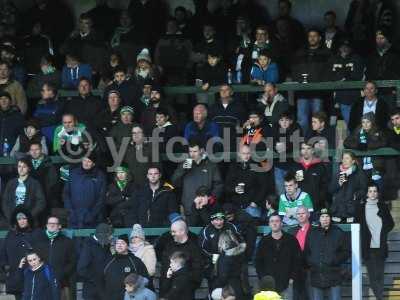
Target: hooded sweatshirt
point(141, 293)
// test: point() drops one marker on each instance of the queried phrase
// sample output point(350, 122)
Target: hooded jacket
point(84, 197)
point(35, 201)
point(91, 263)
point(153, 208)
point(326, 251)
point(141, 292)
point(17, 243)
point(228, 265)
point(116, 269)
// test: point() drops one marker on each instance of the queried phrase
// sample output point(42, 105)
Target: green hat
point(218, 215)
point(128, 109)
point(121, 169)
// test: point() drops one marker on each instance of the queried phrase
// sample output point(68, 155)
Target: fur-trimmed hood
point(235, 251)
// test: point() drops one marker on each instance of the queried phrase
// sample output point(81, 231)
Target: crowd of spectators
point(134, 157)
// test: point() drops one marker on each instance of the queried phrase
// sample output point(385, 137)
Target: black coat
point(129, 93)
point(35, 201)
point(166, 246)
point(59, 254)
point(328, 133)
point(316, 182)
point(179, 286)
point(91, 263)
point(325, 252)
point(116, 269)
point(385, 67)
point(345, 198)
point(11, 125)
point(387, 226)
point(121, 205)
point(240, 172)
point(153, 209)
point(381, 114)
point(228, 269)
point(281, 262)
point(247, 229)
point(212, 75)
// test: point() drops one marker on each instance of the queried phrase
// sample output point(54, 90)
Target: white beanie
point(137, 231)
point(144, 55)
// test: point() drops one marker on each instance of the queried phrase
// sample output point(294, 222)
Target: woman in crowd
point(348, 187)
point(143, 249)
point(376, 223)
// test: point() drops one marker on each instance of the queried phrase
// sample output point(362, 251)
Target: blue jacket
point(210, 129)
point(40, 284)
point(84, 197)
point(49, 116)
point(70, 76)
point(270, 74)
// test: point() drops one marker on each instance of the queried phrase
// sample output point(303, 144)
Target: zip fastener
point(149, 211)
point(33, 285)
point(51, 250)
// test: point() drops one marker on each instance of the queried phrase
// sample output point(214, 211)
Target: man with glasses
point(57, 250)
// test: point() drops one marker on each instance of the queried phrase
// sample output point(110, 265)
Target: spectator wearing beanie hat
point(30, 135)
point(143, 249)
point(144, 68)
point(118, 266)
point(110, 116)
point(123, 129)
point(135, 288)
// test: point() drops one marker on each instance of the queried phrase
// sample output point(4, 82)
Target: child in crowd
point(264, 70)
point(135, 288)
point(212, 73)
point(73, 70)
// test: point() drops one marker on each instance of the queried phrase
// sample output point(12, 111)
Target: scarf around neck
point(122, 184)
point(52, 235)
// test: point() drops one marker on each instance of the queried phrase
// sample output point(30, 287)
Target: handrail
point(286, 86)
point(56, 159)
point(261, 230)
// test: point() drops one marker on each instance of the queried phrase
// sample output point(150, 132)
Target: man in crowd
point(13, 88)
point(392, 180)
point(120, 265)
point(201, 128)
point(325, 251)
point(58, 251)
point(123, 129)
point(194, 172)
point(180, 239)
point(84, 194)
point(93, 256)
point(155, 201)
point(320, 129)
point(278, 255)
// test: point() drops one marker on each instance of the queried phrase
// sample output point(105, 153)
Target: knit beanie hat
point(144, 55)
point(137, 231)
point(103, 233)
point(123, 237)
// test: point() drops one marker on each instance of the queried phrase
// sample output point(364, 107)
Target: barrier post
point(356, 263)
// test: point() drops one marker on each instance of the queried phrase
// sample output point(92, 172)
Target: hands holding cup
point(187, 163)
point(239, 189)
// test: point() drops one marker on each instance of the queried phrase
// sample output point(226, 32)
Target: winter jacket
point(147, 255)
point(205, 173)
point(383, 67)
point(247, 229)
point(11, 125)
point(312, 62)
point(129, 93)
point(58, 253)
point(228, 268)
point(70, 76)
point(120, 131)
point(141, 292)
point(345, 198)
point(326, 251)
point(213, 75)
point(148, 117)
point(116, 269)
point(40, 284)
point(138, 161)
point(328, 134)
point(316, 181)
point(107, 120)
point(23, 144)
point(91, 263)
point(279, 259)
point(269, 75)
point(209, 130)
point(381, 114)
point(121, 205)
point(273, 110)
point(241, 172)
point(17, 243)
point(84, 196)
point(153, 208)
point(209, 237)
point(35, 201)
point(47, 175)
point(17, 93)
point(392, 176)
point(165, 246)
point(375, 140)
point(179, 286)
point(350, 68)
point(387, 226)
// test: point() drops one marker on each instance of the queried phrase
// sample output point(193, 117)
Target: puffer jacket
point(326, 251)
